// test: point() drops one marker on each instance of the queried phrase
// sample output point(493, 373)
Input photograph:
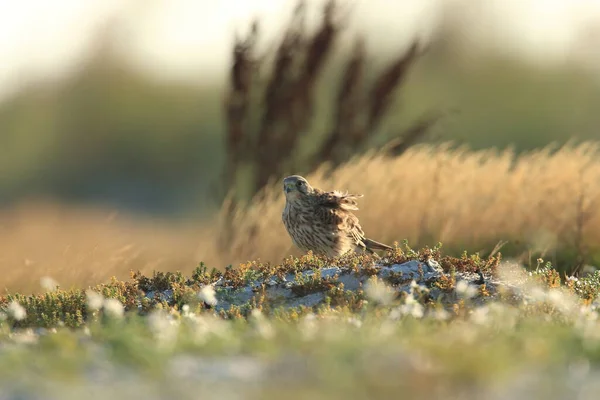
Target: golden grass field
point(84, 246)
point(544, 200)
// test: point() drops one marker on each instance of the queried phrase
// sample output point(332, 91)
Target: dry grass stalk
point(467, 200)
point(288, 102)
point(237, 102)
point(384, 86)
point(464, 199)
point(350, 100)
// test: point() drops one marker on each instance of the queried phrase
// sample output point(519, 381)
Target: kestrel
point(323, 221)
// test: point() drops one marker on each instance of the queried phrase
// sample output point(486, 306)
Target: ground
point(413, 322)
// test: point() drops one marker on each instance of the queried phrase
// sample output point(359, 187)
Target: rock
point(303, 290)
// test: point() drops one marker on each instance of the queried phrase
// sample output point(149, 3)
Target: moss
point(306, 284)
point(172, 290)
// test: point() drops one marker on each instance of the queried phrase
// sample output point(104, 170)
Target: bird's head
point(295, 187)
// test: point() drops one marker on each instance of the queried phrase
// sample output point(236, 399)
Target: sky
point(175, 39)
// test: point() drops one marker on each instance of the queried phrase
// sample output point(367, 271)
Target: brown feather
point(323, 222)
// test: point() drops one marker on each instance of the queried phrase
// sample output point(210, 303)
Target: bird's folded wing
point(335, 199)
point(334, 208)
point(354, 229)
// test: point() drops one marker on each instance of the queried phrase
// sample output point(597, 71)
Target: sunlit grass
point(543, 204)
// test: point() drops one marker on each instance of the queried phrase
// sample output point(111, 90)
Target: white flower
point(48, 284)
point(588, 313)
point(440, 314)
point(164, 328)
point(414, 310)
point(114, 308)
point(262, 326)
point(357, 323)
point(410, 307)
point(538, 294)
point(308, 326)
point(465, 290)
point(379, 291)
point(416, 288)
point(410, 300)
point(94, 300)
point(504, 316)
point(185, 310)
point(207, 295)
point(481, 315)
point(16, 310)
point(562, 301)
point(207, 325)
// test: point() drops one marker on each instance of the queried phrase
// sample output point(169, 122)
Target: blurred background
point(118, 119)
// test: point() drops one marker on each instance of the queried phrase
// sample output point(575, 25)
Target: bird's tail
point(371, 245)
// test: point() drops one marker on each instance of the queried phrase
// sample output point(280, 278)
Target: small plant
point(305, 284)
point(588, 288)
point(351, 300)
point(202, 276)
point(547, 275)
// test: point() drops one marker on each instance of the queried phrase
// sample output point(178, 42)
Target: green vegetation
point(453, 325)
point(122, 337)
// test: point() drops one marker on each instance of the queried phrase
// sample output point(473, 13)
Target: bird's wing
point(334, 210)
point(337, 200)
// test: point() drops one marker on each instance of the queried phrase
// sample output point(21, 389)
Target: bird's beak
point(288, 187)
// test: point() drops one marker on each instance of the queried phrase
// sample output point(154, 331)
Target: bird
point(322, 222)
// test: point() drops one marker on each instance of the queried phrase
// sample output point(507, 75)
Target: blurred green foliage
point(111, 134)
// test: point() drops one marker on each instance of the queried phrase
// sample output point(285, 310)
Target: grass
point(80, 246)
point(545, 344)
point(269, 115)
point(543, 203)
point(156, 335)
point(429, 194)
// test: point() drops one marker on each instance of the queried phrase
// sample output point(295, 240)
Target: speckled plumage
point(322, 221)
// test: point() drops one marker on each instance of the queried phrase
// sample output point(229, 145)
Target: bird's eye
point(300, 183)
